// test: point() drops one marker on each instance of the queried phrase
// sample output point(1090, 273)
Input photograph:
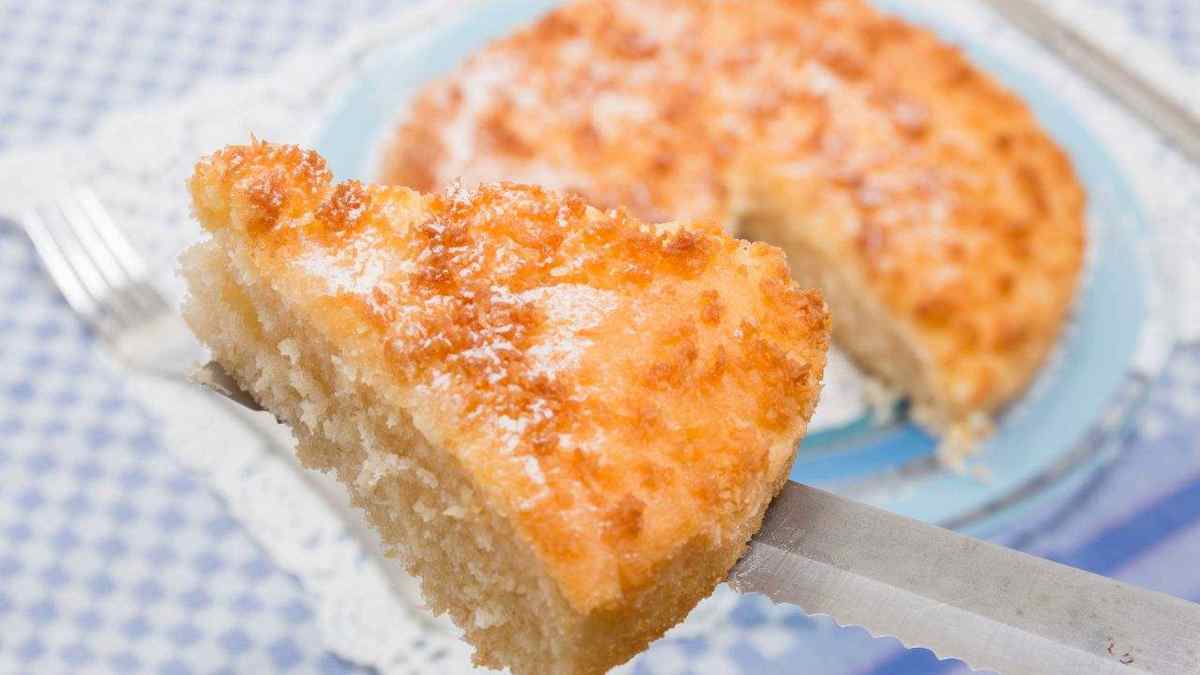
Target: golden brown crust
point(934, 186)
point(619, 391)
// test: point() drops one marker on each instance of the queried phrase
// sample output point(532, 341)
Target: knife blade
point(213, 376)
point(992, 607)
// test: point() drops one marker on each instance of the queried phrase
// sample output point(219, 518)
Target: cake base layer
point(469, 563)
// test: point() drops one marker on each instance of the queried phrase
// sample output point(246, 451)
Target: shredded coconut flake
point(533, 470)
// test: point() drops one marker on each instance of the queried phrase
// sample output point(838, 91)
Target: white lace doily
point(137, 161)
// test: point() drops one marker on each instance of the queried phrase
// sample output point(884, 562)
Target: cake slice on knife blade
point(566, 423)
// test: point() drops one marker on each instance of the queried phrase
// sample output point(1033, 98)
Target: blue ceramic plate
point(1046, 444)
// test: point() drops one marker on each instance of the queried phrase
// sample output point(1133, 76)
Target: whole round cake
point(943, 225)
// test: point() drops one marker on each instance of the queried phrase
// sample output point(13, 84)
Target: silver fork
point(106, 281)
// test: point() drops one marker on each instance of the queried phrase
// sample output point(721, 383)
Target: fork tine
point(97, 270)
point(55, 260)
point(76, 254)
point(89, 237)
point(121, 297)
point(122, 253)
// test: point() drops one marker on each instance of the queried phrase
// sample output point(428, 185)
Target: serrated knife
point(992, 607)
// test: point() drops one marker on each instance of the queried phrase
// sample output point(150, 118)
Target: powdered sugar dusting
point(534, 470)
point(360, 268)
point(570, 310)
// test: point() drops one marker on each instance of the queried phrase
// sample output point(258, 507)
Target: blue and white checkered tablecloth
point(113, 559)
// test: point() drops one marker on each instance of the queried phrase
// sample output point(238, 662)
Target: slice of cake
point(944, 226)
point(565, 422)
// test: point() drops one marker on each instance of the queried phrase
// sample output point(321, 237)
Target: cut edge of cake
point(423, 497)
